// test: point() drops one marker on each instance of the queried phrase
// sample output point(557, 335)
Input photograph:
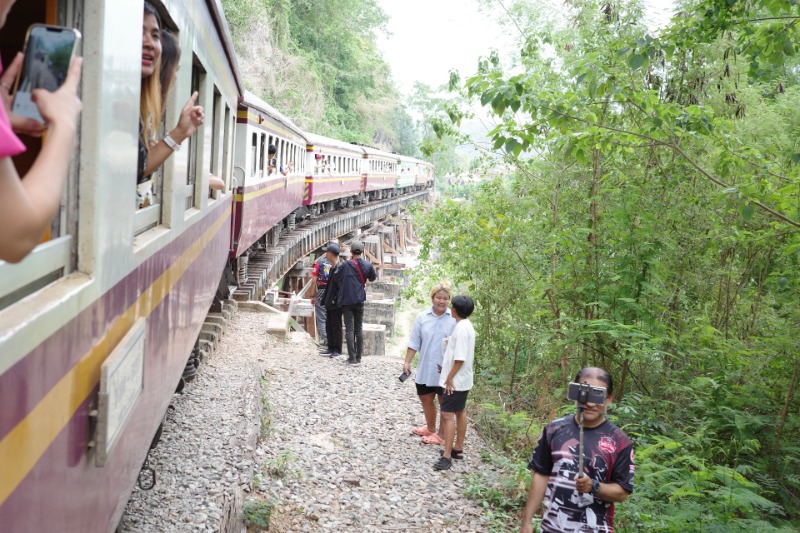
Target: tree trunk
point(784, 413)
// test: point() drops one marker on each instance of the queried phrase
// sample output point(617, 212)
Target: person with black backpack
point(350, 278)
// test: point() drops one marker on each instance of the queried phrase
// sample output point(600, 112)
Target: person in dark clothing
point(333, 310)
point(350, 278)
point(321, 272)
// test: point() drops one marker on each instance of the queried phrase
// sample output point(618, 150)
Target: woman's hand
point(62, 108)
point(407, 368)
point(449, 388)
point(192, 116)
point(22, 125)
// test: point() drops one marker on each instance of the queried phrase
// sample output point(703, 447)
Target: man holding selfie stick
point(580, 495)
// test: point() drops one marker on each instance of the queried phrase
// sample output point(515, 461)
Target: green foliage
point(331, 77)
point(281, 466)
point(257, 513)
point(500, 490)
point(651, 227)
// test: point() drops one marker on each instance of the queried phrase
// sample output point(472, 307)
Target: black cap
point(331, 247)
point(357, 247)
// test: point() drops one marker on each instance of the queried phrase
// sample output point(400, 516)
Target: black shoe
point(334, 355)
point(443, 464)
point(326, 353)
point(455, 454)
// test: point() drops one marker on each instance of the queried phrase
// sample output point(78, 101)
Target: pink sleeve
point(9, 142)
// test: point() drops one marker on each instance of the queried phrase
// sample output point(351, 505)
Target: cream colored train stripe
point(265, 190)
point(24, 445)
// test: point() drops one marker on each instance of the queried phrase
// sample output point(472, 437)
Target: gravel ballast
point(336, 453)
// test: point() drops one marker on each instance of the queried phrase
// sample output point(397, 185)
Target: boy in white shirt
point(456, 380)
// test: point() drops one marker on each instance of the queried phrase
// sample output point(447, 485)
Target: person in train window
point(272, 151)
point(27, 206)
point(153, 152)
point(168, 73)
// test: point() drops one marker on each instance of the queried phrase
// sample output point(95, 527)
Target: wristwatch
point(595, 487)
point(171, 143)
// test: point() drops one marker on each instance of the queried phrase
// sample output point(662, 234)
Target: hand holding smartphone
point(49, 51)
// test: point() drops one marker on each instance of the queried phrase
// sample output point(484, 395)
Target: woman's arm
point(192, 116)
point(28, 206)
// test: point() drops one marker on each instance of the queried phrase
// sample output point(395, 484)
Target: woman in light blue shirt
point(430, 328)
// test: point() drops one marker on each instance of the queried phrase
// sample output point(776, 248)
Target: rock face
point(335, 454)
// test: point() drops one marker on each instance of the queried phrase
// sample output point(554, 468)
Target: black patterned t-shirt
point(608, 458)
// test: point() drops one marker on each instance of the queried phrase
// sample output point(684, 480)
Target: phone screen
point(48, 53)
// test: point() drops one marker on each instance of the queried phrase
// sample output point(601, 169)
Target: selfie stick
point(581, 407)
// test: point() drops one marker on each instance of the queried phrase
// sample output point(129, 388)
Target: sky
point(428, 38)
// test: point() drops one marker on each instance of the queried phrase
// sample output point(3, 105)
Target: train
point(98, 322)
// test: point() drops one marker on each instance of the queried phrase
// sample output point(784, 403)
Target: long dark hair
point(170, 55)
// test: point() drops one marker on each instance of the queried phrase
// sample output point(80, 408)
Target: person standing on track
point(333, 310)
point(430, 328)
point(321, 272)
point(351, 278)
point(456, 379)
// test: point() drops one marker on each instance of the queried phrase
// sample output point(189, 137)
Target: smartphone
point(48, 53)
point(585, 393)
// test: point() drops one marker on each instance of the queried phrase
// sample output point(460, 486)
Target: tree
point(650, 227)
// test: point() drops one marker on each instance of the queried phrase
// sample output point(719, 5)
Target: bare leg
point(449, 430)
point(441, 417)
point(429, 408)
point(461, 424)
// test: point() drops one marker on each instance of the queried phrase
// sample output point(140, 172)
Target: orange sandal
point(422, 431)
point(433, 439)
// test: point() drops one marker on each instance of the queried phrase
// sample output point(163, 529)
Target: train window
point(198, 84)
point(215, 137)
point(263, 149)
point(56, 255)
point(215, 140)
point(254, 154)
point(226, 146)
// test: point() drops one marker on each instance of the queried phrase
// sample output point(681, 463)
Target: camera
point(404, 376)
point(585, 393)
point(274, 162)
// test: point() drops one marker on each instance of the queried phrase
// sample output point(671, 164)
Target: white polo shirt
point(460, 347)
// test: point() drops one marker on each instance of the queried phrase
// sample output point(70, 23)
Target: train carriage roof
point(251, 101)
point(215, 8)
point(320, 141)
point(379, 154)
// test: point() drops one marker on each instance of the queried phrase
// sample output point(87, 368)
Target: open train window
point(195, 154)
point(226, 146)
point(56, 256)
point(215, 135)
point(263, 149)
point(254, 154)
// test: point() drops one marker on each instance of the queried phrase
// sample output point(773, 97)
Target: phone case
point(49, 51)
